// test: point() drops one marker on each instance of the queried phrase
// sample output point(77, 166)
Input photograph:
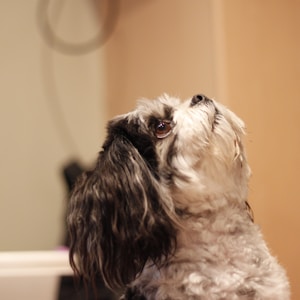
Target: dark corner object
point(71, 289)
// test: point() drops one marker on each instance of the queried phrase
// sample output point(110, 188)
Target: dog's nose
point(198, 98)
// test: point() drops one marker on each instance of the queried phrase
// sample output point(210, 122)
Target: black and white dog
point(164, 213)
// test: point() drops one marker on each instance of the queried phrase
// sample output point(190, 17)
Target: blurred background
point(68, 66)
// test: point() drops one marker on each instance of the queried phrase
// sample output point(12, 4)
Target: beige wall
point(246, 54)
point(160, 46)
point(34, 141)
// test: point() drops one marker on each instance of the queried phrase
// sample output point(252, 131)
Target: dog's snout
point(197, 99)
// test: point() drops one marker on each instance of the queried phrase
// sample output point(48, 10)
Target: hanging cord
point(52, 94)
point(71, 48)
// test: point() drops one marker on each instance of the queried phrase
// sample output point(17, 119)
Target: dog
point(164, 212)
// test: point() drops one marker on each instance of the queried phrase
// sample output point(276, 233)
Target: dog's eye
point(163, 129)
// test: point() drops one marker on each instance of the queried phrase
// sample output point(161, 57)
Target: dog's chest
point(210, 266)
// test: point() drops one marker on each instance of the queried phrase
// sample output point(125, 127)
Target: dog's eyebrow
point(168, 111)
point(165, 114)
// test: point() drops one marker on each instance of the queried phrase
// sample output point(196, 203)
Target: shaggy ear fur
point(108, 205)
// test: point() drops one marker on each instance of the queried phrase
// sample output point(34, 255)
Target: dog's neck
point(200, 202)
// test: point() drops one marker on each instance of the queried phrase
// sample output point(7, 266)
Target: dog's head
point(162, 161)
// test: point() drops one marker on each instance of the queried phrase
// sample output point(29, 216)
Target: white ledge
point(35, 263)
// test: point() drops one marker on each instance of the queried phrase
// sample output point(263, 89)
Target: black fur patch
point(133, 294)
point(138, 135)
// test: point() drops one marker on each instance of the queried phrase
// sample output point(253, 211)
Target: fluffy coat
point(164, 212)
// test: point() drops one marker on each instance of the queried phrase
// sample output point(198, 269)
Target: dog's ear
point(117, 218)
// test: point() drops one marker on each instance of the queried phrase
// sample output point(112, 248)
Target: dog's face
point(159, 163)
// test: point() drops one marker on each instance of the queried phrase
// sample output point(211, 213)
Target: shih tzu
point(164, 213)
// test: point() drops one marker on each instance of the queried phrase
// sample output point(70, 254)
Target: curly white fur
point(192, 155)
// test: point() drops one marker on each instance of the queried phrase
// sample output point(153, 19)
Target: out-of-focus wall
point(158, 47)
point(52, 110)
point(244, 53)
point(263, 78)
